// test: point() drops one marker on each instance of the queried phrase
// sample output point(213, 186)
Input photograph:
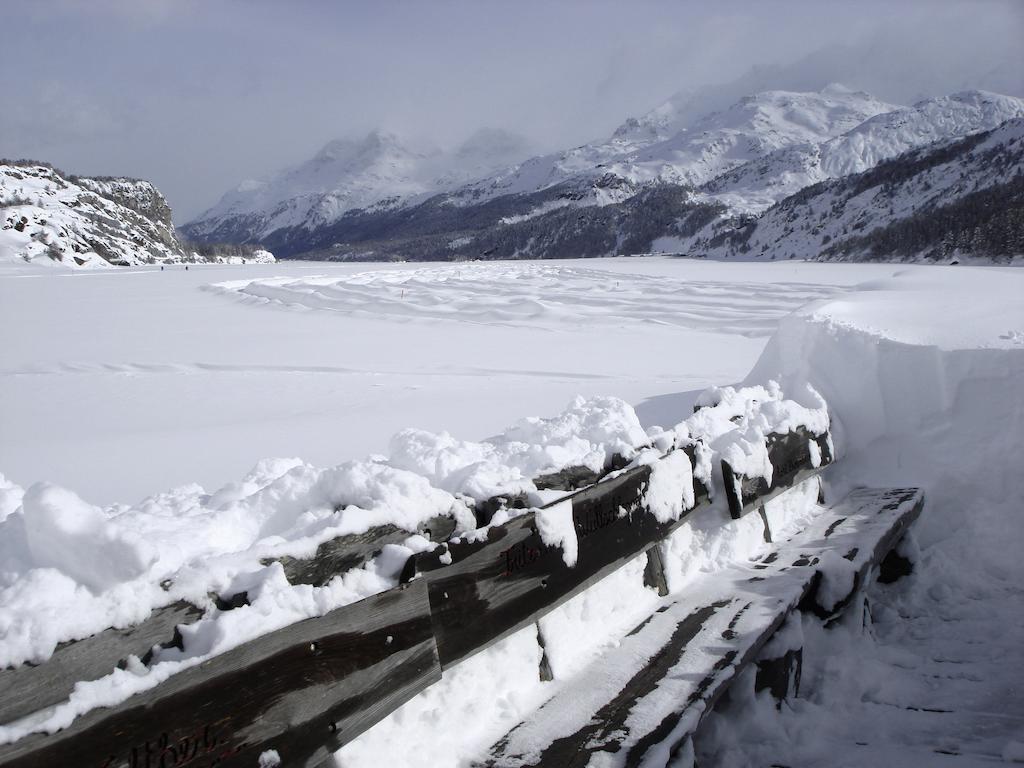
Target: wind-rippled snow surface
point(540, 295)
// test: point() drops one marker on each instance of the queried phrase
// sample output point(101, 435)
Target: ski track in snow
point(538, 295)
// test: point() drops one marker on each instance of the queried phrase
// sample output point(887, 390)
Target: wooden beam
point(790, 454)
point(30, 687)
point(484, 590)
point(304, 691)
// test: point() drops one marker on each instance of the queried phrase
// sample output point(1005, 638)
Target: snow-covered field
point(119, 385)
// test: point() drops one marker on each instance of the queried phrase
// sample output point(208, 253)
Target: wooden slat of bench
point(304, 690)
point(28, 688)
point(868, 524)
point(644, 697)
point(792, 464)
point(495, 587)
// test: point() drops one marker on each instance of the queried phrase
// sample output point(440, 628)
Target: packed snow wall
point(924, 377)
point(925, 388)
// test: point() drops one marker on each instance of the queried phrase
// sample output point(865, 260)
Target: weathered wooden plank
point(29, 688)
point(576, 477)
point(347, 552)
point(792, 462)
point(482, 591)
point(697, 648)
point(865, 526)
point(304, 691)
point(651, 691)
point(869, 524)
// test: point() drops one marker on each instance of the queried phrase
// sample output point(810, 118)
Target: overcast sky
point(197, 95)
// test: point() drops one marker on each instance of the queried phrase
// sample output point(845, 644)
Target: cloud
point(50, 116)
point(197, 96)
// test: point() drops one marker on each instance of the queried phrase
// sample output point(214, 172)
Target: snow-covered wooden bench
point(484, 588)
point(307, 689)
point(653, 688)
point(29, 688)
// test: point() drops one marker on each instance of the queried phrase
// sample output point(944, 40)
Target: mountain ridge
point(737, 162)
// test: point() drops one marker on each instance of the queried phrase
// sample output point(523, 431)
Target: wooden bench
point(484, 589)
point(307, 689)
point(641, 713)
point(31, 687)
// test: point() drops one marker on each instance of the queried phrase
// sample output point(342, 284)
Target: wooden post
point(767, 528)
point(654, 571)
point(546, 673)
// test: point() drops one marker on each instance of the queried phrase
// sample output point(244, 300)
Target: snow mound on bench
point(587, 434)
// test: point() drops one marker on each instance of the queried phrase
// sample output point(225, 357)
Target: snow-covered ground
point(126, 383)
point(121, 385)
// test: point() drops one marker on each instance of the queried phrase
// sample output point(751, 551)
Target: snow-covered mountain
point(658, 147)
point(953, 199)
point(377, 172)
point(48, 217)
point(661, 181)
point(383, 172)
point(755, 186)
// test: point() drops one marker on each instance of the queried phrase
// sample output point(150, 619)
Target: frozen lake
point(123, 383)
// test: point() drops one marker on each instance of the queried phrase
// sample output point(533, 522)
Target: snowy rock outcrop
point(47, 217)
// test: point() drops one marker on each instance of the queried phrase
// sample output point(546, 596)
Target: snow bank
point(64, 532)
point(10, 497)
point(587, 434)
point(71, 569)
point(104, 567)
point(925, 381)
